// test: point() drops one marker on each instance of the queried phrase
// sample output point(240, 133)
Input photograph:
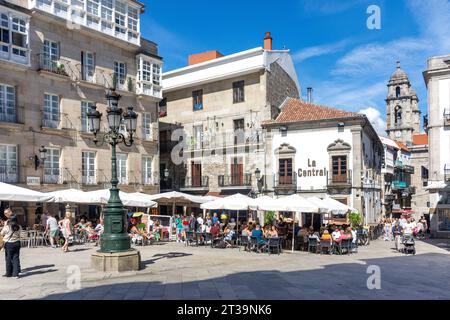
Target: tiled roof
point(295, 110)
point(402, 146)
point(420, 139)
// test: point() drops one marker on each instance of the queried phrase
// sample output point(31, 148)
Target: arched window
point(397, 92)
point(398, 115)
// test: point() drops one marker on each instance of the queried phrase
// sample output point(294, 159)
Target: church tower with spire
point(403, 114)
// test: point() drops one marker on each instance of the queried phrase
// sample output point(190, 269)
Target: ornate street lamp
point(115, 238)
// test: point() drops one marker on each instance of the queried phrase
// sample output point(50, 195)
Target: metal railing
point(243, 180)
point(340, 180)
point(11, 113)
point(9, 174)
point(56, 66)
point(285, 181)
point(446, 117)
point(447, 172)
point(194, 182)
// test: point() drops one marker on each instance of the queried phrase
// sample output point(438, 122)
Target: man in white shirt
point(200, 223)
point(52, 229)
point(336, 234)
point(408, 228)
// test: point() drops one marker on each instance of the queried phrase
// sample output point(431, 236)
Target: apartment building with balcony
point(210, 125)
point(320, 151)
point(57, 58)
point(437, 80)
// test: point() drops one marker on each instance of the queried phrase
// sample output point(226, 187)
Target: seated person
point(343, 236)
point(229, 233)
point(137, 234)
point(336, 234)
point(245, 231)
point(354, 235)
point(326, 237)
point(215, 230)
point(258, 234)
point(273, 233)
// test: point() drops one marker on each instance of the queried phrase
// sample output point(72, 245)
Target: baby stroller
point(409, 245)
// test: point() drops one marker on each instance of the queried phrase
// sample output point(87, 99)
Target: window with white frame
point(7, 103)
point(146, 72)
point(52, 171)
point(147, 170)
point(85, 108)
point(156, 74)
point(8, 163)
point(88, 167)
point(147, 126)
point(51, 111)
point(120, 71)
point(13, 37)
point(115, 17)
point(50, 55)
point(122, 168)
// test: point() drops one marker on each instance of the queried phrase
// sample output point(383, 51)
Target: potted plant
point(130, 84)
point(269, 217)
point(355, 220)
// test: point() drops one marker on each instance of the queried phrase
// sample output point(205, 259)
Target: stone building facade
point(437, 80)
point(53, 67)
point(213, 111)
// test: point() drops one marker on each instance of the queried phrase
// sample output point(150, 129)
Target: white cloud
point(376, 119)
point(358, 80)
point(320, 50)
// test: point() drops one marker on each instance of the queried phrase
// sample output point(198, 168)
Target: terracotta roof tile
point(402, 146)
point(420, 139)
point(295, 110)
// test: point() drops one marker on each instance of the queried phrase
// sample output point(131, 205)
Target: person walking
point(11, 238)
point(179, 226)
point(66, 228)
point(397, 231)
point(52, 230)
point(387, 230)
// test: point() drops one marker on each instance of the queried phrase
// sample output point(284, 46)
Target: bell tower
point(403, 114)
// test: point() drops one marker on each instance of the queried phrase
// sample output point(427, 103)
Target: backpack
point(14, 226)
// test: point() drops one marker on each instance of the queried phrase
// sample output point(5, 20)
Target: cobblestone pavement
point(173, 271)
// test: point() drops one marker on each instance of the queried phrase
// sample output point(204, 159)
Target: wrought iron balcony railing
point(11, 113)
point(283, 180)
point(194, 182)
point(9, 174)
point(244, 180)
point(340, 180)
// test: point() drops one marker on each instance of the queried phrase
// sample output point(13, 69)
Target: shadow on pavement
point(440, 243)
point(38, 268)
point(403, 277)
point(156, 257)
point(36, 273)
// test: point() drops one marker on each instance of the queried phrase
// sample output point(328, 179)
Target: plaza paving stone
point(172, 271)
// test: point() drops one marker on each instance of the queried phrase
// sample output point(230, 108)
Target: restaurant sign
point(312, 170)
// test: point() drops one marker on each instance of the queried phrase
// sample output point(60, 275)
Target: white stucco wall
point(312, 145)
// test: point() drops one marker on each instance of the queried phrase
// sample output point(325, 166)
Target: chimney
point(268, 41)
point(203, 57)
point(310, 95)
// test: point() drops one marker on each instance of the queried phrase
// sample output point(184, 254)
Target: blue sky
point(347, 64)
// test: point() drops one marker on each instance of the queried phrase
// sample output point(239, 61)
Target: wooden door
point(285, 173)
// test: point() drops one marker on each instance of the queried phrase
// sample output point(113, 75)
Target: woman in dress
point(66, 229)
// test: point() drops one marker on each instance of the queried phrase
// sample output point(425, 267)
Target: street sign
point(33, 181)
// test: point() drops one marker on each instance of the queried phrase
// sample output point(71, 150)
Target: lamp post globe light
point(115, 239)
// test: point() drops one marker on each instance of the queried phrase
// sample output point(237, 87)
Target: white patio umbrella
point(175, 197)
point(235, 202)
point(261, 201)
point(10, 192)
point(128, 200)
point(73, 196)
point(336, 206)
point(323, 206)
